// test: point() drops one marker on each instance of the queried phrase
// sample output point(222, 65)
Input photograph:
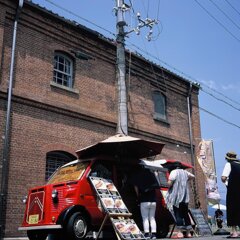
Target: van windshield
point(67, 173)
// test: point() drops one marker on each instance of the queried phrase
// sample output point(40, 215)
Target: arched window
point(159, 106)
point(55, 159)
point(63, 70)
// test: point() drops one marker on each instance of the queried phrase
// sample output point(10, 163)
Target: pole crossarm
point(120, 9)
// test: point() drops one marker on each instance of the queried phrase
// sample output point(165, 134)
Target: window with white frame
point(159, 100)
point(63, 70)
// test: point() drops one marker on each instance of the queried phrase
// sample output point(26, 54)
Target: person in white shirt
point(231, 178)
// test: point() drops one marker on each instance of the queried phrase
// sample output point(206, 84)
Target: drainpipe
point(5, 162)
point(189, 103)
point(190, 122)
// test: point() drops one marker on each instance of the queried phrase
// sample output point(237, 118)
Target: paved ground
point(214, 237)
point(209, 237)
point(197, 238)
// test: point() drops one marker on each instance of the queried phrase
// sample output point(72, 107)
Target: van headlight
point(55, 196)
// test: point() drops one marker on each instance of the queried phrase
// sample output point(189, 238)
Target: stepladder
point(115, 210)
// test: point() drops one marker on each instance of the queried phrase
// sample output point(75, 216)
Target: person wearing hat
point(231, 178)
point(178, 197)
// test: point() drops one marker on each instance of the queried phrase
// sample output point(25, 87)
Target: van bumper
point(40, 227)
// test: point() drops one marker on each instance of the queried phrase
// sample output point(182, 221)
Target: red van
point(68, 204)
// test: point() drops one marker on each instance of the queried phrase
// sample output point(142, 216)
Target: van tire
point(36, 235)
point(77, 227)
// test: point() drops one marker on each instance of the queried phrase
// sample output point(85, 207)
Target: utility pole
point(122, 125)
point(121, 8)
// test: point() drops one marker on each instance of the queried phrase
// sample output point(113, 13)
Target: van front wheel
point(77, 227)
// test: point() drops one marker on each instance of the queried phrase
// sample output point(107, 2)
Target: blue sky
point(197, 39)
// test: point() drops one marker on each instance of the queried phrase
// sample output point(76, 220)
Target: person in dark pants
point(178, 198)
point(230, 177)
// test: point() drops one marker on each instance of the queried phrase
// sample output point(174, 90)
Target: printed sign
point(127, 229)
point(109, 195)
point(206, 160)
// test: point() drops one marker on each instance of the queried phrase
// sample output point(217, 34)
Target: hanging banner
point(207, 162)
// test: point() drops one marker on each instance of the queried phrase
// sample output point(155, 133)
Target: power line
point(161, 67)
point(230, 19)
point(216, 116)
point(170, 66)
point(131, 4)
point(145, 9)
point(233, 7)
point(155, 75)
point(221, 100)
point(158, 10)
point(175, 69)
point(220, 118)
point(221, 94)
point(225, 28)
point(202, 109)
point(190, 77)
point(76, 15)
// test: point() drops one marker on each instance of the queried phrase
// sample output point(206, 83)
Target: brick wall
point(34, 133)
point(47, 118)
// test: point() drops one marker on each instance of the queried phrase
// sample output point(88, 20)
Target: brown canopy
point(121, 146)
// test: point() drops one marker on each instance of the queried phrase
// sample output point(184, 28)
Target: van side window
point(162, 177)
point(99, 170)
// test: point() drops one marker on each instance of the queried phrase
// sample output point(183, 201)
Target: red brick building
point(62, 102)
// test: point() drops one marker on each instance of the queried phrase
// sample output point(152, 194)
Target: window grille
point(55, 160)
